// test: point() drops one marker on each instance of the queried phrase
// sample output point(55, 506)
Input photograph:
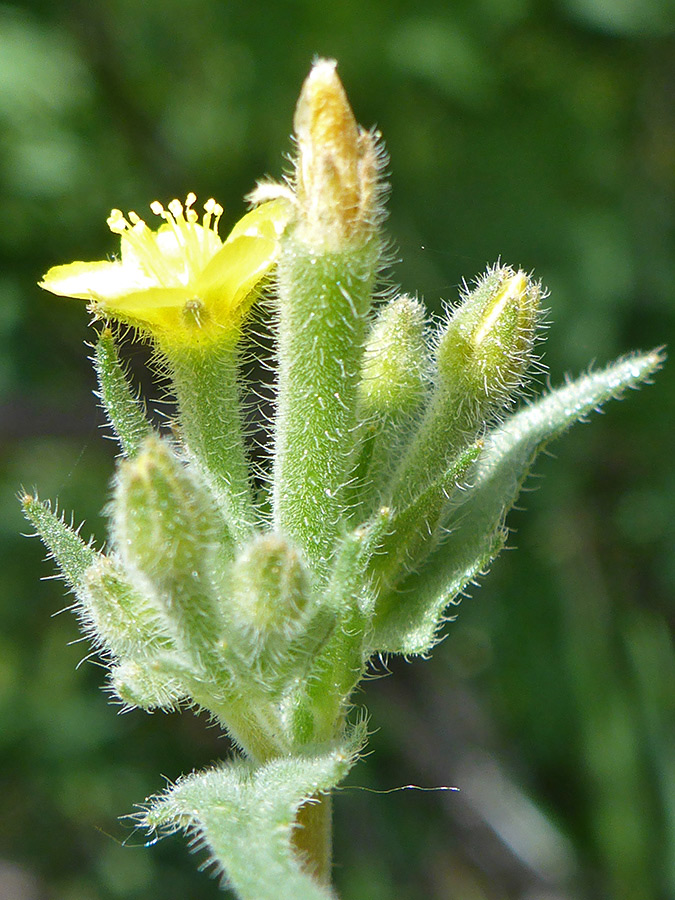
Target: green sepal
point(246, 816)
point(165, 528)
point(410, 619)
point(124, 407)
point(72, 555)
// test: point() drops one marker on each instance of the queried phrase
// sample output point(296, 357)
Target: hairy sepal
point(411, 617)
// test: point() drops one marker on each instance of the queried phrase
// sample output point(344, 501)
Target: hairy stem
point(313, 837)
point(205, 381)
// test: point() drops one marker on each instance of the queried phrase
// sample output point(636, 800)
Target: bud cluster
point(394, 463)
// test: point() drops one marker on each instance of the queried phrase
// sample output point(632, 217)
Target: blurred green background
point(541, 132)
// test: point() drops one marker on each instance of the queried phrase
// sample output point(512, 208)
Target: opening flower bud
point(337, 165)
point(487, 346)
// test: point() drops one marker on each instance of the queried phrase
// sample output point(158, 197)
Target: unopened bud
point(337, 166)
point(269, 586)
point(482, 358)
point(118, 615)
point(165, 528)
point(395, 361)
point(148, 686)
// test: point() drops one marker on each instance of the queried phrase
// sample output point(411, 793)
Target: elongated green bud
point(329, 260)
point(482, 358)
point(165, 528)
point(392, 389)
point(395, 361)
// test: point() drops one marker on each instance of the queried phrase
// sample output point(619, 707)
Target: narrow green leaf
point(73, 556)
point(411, 618)
point(125, 408)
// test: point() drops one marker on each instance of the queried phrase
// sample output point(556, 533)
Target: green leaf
point(410, 621)
point(125, 409)
point(246, 816)
point(73, 555)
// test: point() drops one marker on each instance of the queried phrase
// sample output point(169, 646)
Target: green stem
point(205, 382)
point(313, 837)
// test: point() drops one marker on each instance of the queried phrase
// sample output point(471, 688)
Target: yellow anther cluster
point(180, 282)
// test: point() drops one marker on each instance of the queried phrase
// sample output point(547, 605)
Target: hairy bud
point(269, 586)
point(165, 526)
point(486, 348)
point(395, 360)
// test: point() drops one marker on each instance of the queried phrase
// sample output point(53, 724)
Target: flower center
point(180, 249)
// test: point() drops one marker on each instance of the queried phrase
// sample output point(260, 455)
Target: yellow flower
point(181, 283)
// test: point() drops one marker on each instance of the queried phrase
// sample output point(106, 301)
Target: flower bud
point(165, 528)
point(118, 616)
point(395, 361)
point(337, 166)
point(482, 357)
point(148, 686)
point(269, 587)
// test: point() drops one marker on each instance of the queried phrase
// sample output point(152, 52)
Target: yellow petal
point(235, 270)
point(93, 280)
point(267, 220)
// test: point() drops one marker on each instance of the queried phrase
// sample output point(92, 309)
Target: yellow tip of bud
point(336, 172)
